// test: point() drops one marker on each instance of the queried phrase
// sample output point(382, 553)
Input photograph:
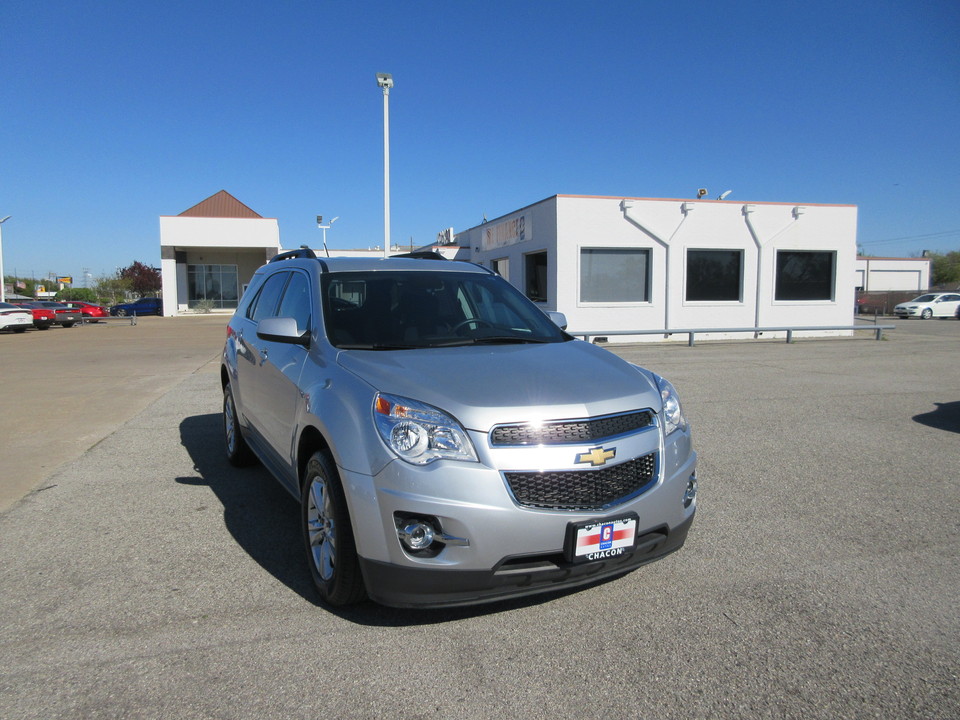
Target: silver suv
point(448, 442)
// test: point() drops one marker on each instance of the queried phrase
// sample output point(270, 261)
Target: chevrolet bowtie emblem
point(597, 456)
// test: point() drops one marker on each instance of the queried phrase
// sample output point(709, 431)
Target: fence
point(691, 333)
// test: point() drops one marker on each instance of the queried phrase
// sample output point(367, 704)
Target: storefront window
point(614, 275)
point(217, 284)
point(714, 275)
point(805, 275)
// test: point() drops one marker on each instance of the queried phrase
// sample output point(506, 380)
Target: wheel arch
point(311, 441)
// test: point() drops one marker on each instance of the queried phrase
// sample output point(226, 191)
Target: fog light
point(416, 535)
point(690, 494)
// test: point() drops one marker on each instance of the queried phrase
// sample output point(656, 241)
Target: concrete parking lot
point(144, 577)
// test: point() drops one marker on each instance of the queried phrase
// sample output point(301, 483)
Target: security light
point(385, 80)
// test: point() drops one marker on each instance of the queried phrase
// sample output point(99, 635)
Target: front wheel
point(121, 312)
point(328, 534)
point(926, 314)
point(239, 453)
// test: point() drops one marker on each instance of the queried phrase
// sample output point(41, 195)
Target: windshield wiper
point(504, 339)
point(377, 346)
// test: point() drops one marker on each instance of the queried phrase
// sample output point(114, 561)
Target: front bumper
point(399, 586)
point(510, 550)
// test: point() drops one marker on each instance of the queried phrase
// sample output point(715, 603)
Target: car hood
point(486, 385)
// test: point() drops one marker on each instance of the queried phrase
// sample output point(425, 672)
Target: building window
point(536, 276)
point(805, 275)
point(614, 275)
point(715, 275)
point(217, 284)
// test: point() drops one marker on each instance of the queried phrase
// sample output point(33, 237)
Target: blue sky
point(113, 114)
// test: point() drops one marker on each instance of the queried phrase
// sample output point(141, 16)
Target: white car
point(929, 305)
point(15, 318)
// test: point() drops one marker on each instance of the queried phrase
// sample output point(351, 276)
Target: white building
point(614, 264)
point(209, 252)
point(875, 274)
point(608, 263)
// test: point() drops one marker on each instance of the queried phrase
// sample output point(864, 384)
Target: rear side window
point(265, 302)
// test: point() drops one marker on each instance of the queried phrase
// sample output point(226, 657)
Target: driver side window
point(296, 301)
point(266, 301)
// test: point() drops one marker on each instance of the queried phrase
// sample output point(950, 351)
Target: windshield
point(405, 310)
point(924, 298)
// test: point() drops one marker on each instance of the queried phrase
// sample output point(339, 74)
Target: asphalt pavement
point(144, 577)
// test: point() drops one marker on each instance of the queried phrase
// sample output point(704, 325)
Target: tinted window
point(266, 300)
point(714, 275)
point(391, 310)
point(805, 275)
point(296, 301)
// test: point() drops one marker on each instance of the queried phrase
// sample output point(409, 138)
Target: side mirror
point(559, 319)
point(282, 330)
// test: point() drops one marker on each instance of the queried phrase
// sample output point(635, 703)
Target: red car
point(63, 315)
point(43, 317)
point(90, 311)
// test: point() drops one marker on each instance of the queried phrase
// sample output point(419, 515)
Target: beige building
point(209, 252)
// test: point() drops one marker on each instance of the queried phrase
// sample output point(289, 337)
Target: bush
point(203, 306)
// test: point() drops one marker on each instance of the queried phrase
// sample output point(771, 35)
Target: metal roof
point(220, 205)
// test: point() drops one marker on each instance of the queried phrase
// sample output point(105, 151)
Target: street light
point(325, 228)
point(3, 284)
point(385, 82)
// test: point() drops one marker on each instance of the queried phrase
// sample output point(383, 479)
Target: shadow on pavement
point(264, 520)
point(945, 417)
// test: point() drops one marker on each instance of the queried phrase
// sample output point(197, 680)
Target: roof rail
point(302, 252)
point(421, 255)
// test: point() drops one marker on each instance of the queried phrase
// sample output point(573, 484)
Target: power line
point(911, 237)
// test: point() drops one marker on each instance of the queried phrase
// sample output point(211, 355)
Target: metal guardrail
point(691, 333)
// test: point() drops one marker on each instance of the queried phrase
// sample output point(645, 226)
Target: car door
point(281, 367)
point(947, 307)
point(252, 352)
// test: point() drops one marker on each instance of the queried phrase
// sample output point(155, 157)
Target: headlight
point(673, 418)
point(420, 433)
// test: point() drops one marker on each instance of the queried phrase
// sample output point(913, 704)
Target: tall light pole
point(3, 284)
point(325, 228)
point(385, 82)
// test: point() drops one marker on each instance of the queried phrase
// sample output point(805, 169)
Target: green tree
point(82, 294)
point(112, 289)
point(144, 280)
point(945, 268)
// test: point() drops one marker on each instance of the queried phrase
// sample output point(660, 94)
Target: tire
point(68, 324)
point(926, 314)
point(43, 327)
point(19, 329)
point(239, 453)
point(121, 313)
point(328, 535)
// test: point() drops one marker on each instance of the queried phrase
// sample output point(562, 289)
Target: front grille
point(562, 432)
point(583, 489)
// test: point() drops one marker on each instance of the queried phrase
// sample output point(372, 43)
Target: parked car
point(90, 312)
point(448, 442)
point(43, 317)
point(63, 314)
point(143, 306)
point(14, 318)
point(929, 305)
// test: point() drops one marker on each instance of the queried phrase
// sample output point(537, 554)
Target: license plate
point(601, 539)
